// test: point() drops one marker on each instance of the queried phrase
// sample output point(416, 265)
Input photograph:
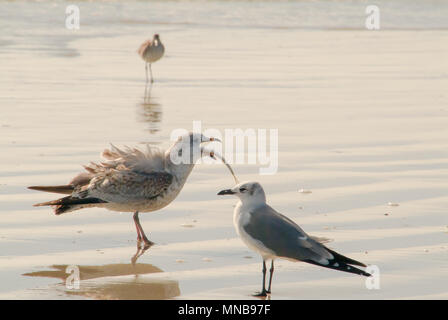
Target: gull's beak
point(205, 152)
point(226, 191)
point(211, 139)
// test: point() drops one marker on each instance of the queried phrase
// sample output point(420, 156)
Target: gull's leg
point(142, 235)
point(137, 223)
point(139, 240)
point(271, 272)
point(150, 71)
point(263, 290)
point(146, 69)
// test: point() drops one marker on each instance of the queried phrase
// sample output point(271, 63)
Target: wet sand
point(362, 119)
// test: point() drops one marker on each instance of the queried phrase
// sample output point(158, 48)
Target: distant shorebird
point(151, 51)
point(273, 235)
point(131, 180)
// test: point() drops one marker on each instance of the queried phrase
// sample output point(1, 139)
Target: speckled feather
point(127, 180)
point(127, 176)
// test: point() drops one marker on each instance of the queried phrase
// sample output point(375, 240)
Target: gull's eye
point(243, 189)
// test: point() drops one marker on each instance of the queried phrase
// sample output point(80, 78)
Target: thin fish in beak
point(215, 139)
point(205, 139)
point(227, 165)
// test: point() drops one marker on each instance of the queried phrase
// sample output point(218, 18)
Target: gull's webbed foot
point(142, 246)
point(261, 294)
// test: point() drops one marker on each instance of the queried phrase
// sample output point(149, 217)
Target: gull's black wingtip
point(341, 266)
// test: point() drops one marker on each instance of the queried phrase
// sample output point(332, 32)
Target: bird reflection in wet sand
point(115, 281)
point(151, 111)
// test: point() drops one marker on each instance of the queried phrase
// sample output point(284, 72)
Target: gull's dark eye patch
point(243, 189)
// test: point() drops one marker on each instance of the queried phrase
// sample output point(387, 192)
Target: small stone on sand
point(186, 225)
point(392, 204)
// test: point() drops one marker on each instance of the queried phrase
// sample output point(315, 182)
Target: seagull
point(131, 180)
point(274, 235)
point(151, 51)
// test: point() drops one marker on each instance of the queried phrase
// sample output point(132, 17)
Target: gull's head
point(156, 37)
point(247, 192)
point(189, 147)
point(195, 139)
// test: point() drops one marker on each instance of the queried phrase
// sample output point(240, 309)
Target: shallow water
point(362, 119)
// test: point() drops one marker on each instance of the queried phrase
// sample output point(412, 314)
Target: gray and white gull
point(274, 235)
point(131, 180)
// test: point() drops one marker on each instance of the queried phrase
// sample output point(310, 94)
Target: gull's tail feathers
point(341, 263)
point(340, 266)
point(69, 203)
point(64, 189)
point(76, 183)
point(340, 258)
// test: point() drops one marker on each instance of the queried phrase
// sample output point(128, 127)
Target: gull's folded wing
point(121, 186)
point(286, 239)
point(283, 236)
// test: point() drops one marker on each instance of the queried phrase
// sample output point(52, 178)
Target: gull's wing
point(115, 186)
point(283, 236)
point(127, 175)
point(126, 186)
point(321, 240)
point(286, 239)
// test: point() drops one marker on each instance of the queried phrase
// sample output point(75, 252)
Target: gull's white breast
point(241, 217)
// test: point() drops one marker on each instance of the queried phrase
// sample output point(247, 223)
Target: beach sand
point(362, 119)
